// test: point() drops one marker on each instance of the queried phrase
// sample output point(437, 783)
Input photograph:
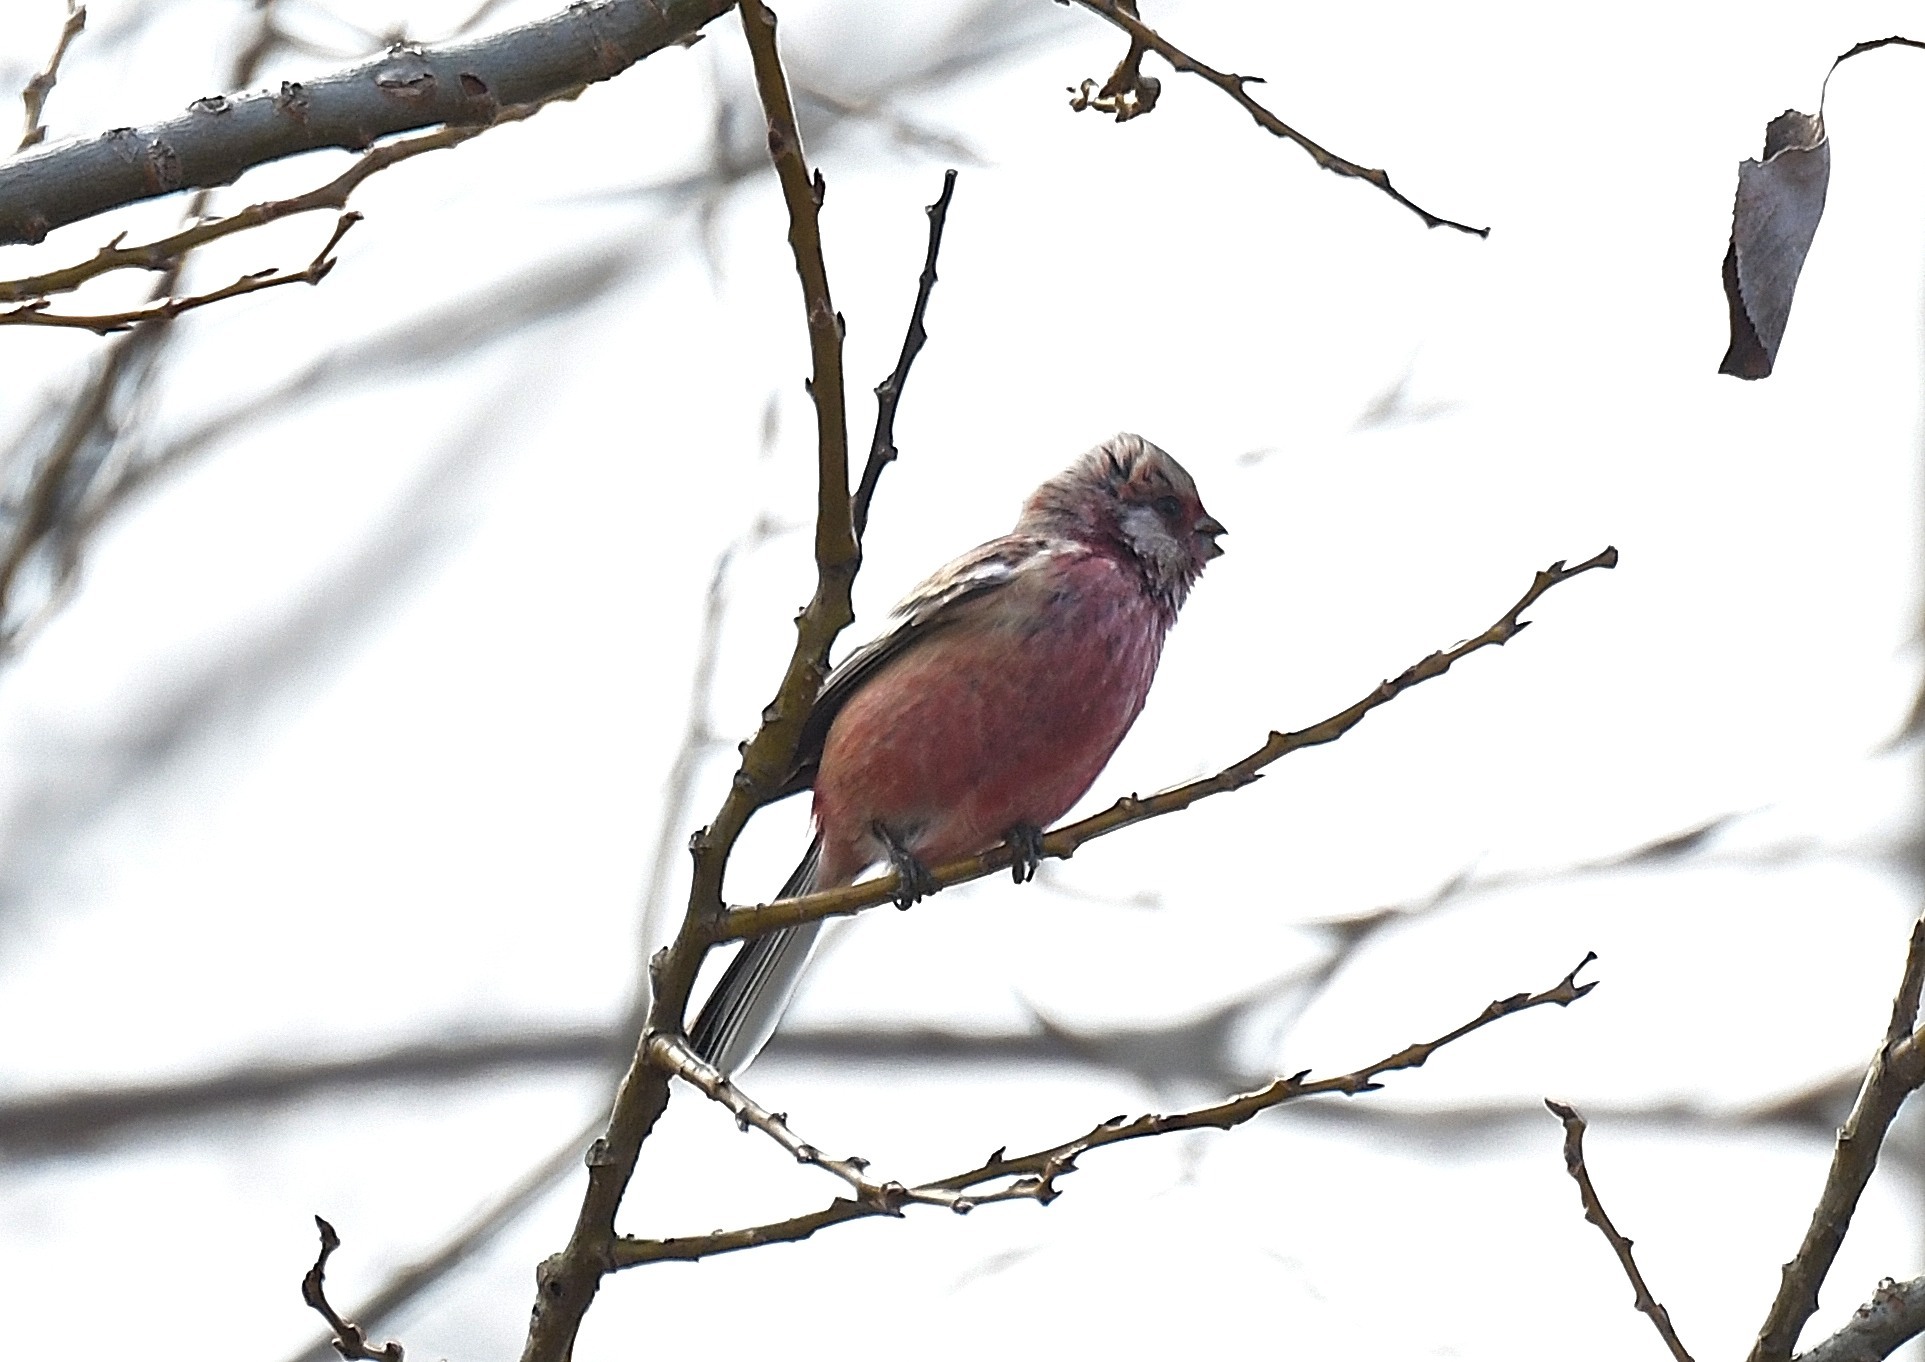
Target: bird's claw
point(1026, 851)
point(914, 882)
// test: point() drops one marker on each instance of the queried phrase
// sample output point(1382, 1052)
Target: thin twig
point(415, 1279)
point(673, 1055)
point(159, 255)
point(882, 446)
point(349, 1341)
point(1034, 1176)
point(1594, 1212)
point(567, 1281)
point(317, 269)
point(1128, 93)
point(1896, 1071)
point(1132, 809)
point(34, 96)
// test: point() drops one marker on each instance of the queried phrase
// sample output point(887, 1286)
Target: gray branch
point(221, 136)
point(1890, 1319)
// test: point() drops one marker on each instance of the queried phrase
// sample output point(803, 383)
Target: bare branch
point(161, 254)
point(1033, 1176)
point(672, 1055)
point(38, 88)
point(1132, 809)
point(408, 1284)
point(567, 1281)
point(1128, 93)
point(69, 1120)
point(349, 1341)
point(1594, 1212)
point(404, 89)
point(1880, 1327)
point(882, 446)
point(1896, 1071)
point(317, 269)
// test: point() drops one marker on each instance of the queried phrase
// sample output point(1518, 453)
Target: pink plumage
point(990, 705)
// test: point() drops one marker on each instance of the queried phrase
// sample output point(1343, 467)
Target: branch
point(1896, 1071)
point(404, 89)
point(882, 447)
point(1594, 1212)
point(1128, 93)
point(317, 269)
point(672, 1055)
point(349, 1341)
point(1033, 1176)
point(1132, 809)
point(157, 255)
point(414, 1279)
point(1880, 1327)
point(567, 1282)
point(65, 1121)
point(35, 95)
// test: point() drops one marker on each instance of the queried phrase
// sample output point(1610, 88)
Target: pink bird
point(989, 705)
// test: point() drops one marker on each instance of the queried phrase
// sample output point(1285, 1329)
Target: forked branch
point(1032, 1176)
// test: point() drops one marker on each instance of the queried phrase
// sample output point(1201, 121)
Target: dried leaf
point(1780, 200)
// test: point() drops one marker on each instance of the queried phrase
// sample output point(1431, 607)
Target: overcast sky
point(358, 728)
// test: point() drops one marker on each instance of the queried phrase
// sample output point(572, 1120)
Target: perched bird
point(989, 705)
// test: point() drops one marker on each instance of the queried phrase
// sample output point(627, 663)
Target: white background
point(359, 727)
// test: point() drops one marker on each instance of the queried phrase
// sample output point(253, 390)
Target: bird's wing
point(938, 603)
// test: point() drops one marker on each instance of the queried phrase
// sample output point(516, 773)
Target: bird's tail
point(740, 1016)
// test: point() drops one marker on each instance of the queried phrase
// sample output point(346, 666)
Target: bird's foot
point(914, 880)
point(1026, 851)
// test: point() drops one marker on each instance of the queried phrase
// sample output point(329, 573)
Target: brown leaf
point(1780, 200)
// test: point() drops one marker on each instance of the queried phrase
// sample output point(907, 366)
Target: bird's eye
point(1168, 507)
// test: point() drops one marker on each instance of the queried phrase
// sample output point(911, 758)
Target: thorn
point(818, 187)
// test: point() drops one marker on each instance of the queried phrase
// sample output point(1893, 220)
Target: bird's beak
point(1207, 529)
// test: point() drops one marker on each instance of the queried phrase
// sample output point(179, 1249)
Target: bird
point(986, 708)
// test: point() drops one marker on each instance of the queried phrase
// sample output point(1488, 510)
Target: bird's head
point(1128, 494)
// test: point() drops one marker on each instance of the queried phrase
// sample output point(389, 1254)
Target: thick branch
point(1896, 1071)
point(1129, 93)
point(161, 254)
point(1033, 1176)
point(1065, 841)
point(221, 136)
point(1621, 1246)
point(1880, 1327)
point(567, 1282)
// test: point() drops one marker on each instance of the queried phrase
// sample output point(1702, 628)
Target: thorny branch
point(1128, 93)
point(34, 96)
point(1064, 841)
point(1896, 1071)
point(567, 1282)
point(882, 446)
point(1034, 1176)
point(349, 1341)
point(317, 269)
point(1595, 1213)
